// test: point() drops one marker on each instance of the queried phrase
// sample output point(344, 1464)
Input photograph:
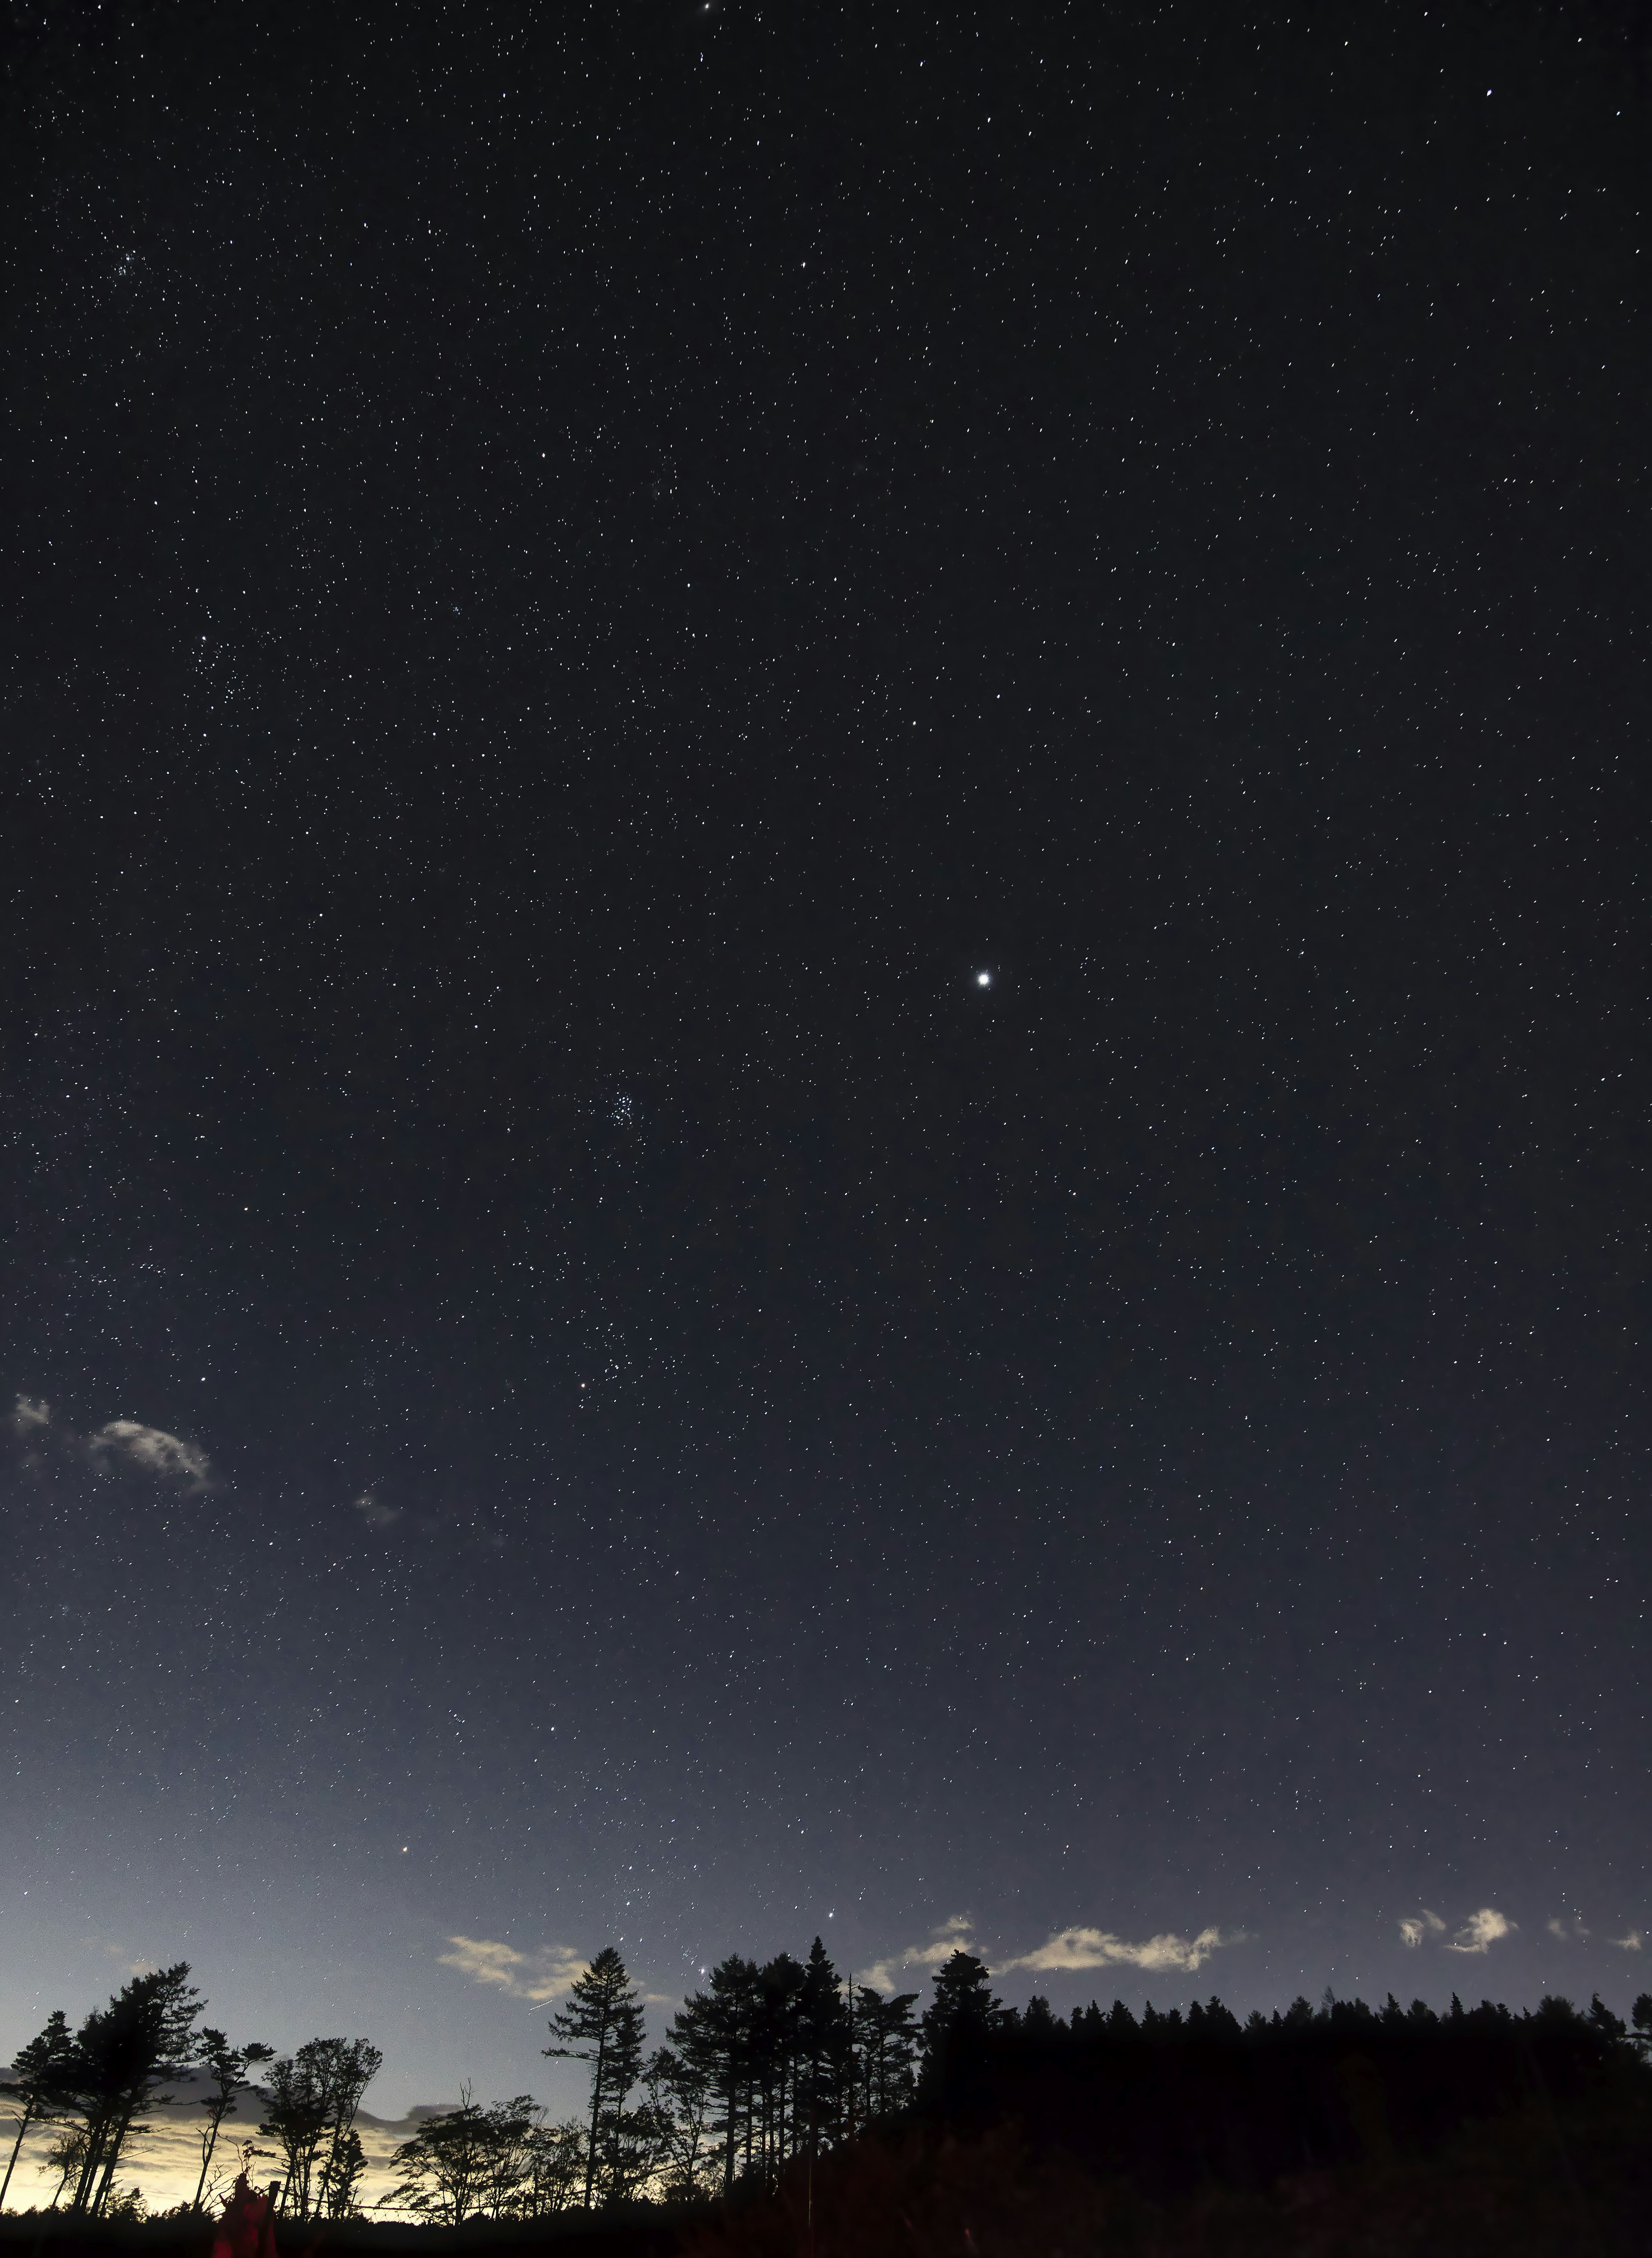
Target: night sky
point(824, 1085)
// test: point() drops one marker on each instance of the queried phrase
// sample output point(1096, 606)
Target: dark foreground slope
point(1345, 2133)
point(639, 2231)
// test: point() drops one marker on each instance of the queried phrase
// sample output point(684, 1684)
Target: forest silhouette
point(784, 2093)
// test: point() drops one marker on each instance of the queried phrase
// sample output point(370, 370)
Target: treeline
point(768, 2063)
point(93, 2089)
point(775, 2064)
point(1172, 2102)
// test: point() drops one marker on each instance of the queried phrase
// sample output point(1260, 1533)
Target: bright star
point(983, 979)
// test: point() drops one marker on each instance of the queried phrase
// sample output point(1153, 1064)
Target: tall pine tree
point(602, 2025)
point(962, 2014)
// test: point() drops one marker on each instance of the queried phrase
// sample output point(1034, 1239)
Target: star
point(983, 979)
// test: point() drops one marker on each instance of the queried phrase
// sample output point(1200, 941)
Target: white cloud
point(375, 1513)
point(1419, 1925)
point(29, 1413)
point(1567, 1930)
point(167, 1455)
point(1070, 1950)
point(1630, 1944)
point(952, 1936)
point(1481, 1931)
point(542, 1975)
point(1073, 1949)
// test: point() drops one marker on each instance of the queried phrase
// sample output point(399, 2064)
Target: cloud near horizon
point(1069, 1951)
point(539, 1975)
point(952, 1936)
point(1072, 1949)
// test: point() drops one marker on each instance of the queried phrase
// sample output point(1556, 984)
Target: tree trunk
point(596, 2109)
point(207, 2152)
point(117, 2142)
point(24, 2123)
point(97, 2134)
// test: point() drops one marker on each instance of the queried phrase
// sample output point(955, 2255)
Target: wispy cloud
point(1630, 1944)
point(1419, 1925)
point(952, 1936)
point(1068, 1951)
point(169, 1456)
point(1074, 1949)
point(541, 1975)
point(29, 1414)
point(1481, 1931)
point(375, 1512)
point(1568, 1931)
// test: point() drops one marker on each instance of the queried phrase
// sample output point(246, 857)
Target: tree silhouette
point(122, 2055)
point(346, 2067)
point(227, 2067)
point(295, 2118)
point(714, 2033)
point(553, 2170)
point(65, 2158)
point(961, 2014)
point(311, 2104)
point(36, 2084)
point(886, 2044)
point(469, 2162)
point(681, 2097)
point(824, 2054)
point(602, 2025)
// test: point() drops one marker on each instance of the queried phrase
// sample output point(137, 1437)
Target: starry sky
point(574, 579)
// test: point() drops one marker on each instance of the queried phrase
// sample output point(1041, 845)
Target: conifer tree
point(714, 2036)
point(121, 2055)
point(962, 2013)
point(824, 2053)
point(602, 2025)
point(36, 2083)
point(886, 2042)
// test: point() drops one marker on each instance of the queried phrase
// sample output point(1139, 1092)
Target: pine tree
point(1640, 2016)
point(961, 2014)
point(825, 2054)
point(36, 2083)
point(886, 2041)
point(602, 2025)
point(121, 2055)
point(774, 2061)
point(714, 2034)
